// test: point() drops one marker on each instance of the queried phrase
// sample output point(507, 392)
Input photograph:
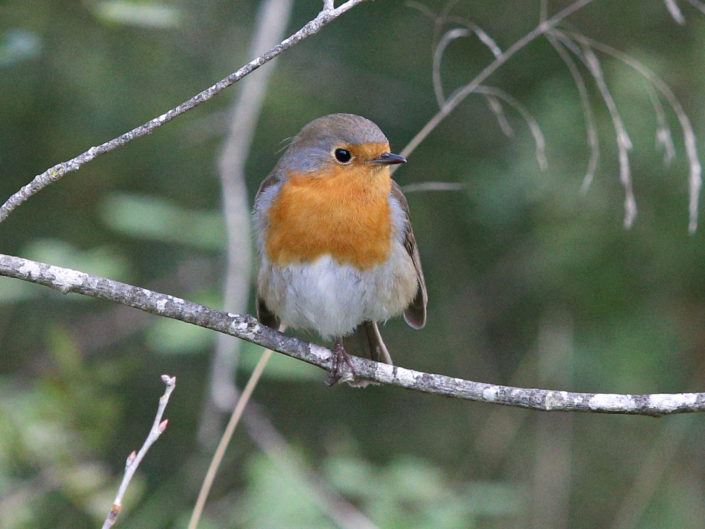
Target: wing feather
point(415, 313)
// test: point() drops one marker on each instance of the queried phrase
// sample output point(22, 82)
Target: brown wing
point(264, 315)
point(415, 313)
point(366, 341)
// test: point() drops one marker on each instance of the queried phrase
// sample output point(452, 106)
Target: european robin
point(336, 249)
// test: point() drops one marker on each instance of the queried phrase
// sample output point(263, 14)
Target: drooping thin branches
point(695, 174)
point(443, 17)
point(460, 95)
point(447, 38)
point(51, 175)
point(664, 138)
point(584, 49)
point(135, 458)
point(248, 328)
point(624, 143)
point(492, 94)
point(534, 128)
point(590, 126)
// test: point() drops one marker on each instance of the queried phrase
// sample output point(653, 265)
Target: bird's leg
point(340, 356)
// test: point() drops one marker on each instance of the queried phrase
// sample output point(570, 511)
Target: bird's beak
point(387, 158)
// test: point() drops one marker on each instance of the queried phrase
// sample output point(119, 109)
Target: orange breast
point(345, 214)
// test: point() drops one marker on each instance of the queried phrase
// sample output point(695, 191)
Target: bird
point(336, 251)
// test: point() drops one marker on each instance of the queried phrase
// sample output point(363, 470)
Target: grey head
point(313, 146)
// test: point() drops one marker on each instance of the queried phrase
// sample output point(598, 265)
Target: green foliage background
point(530, 282)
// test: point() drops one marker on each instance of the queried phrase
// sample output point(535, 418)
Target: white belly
point(333, 299)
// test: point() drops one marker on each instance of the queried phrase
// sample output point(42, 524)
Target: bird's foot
point(340, 357)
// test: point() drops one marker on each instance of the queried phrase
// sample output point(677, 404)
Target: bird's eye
point(342, 155)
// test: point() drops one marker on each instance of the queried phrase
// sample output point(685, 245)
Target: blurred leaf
point(413, 492)
point(17, 45)
point(103, 261)
point(34, 432)
point(12, 290)
point(84, 479)
point(65, 354)
point(142, 14)
point(279, 366)
point(169, 336)
point(448, 514)
point(156, 219)
point(413, 479)
point(91, 406)
point(293, 507)
point(351, 476)
point(484, 498)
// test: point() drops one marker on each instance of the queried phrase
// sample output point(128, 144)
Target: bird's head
point(339, 145)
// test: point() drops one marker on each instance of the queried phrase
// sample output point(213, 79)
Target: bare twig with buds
point(135, 458)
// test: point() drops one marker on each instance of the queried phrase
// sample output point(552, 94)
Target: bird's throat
point(345, 215)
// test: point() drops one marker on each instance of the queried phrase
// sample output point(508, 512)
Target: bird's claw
point(339, 359)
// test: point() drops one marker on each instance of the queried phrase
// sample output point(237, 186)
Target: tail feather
point(367, 341)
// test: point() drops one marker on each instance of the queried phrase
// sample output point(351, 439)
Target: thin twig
point(531, 122)
point(444, 18)
point(51, 175)
point(479, 32)
point(433, 186)
point(441, 18)
point(447, 38)
point(225, 439)
point(543, 10)
point(675, 11)
point(497, 109)
point(135, 458)
point(664, 138)
point(697, 4)
point(624, 143)
point(590, 126)
point(248, 328)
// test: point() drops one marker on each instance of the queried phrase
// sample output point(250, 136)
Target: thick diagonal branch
point(249, 329)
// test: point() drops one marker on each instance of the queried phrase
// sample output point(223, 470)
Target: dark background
point(531, 282)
